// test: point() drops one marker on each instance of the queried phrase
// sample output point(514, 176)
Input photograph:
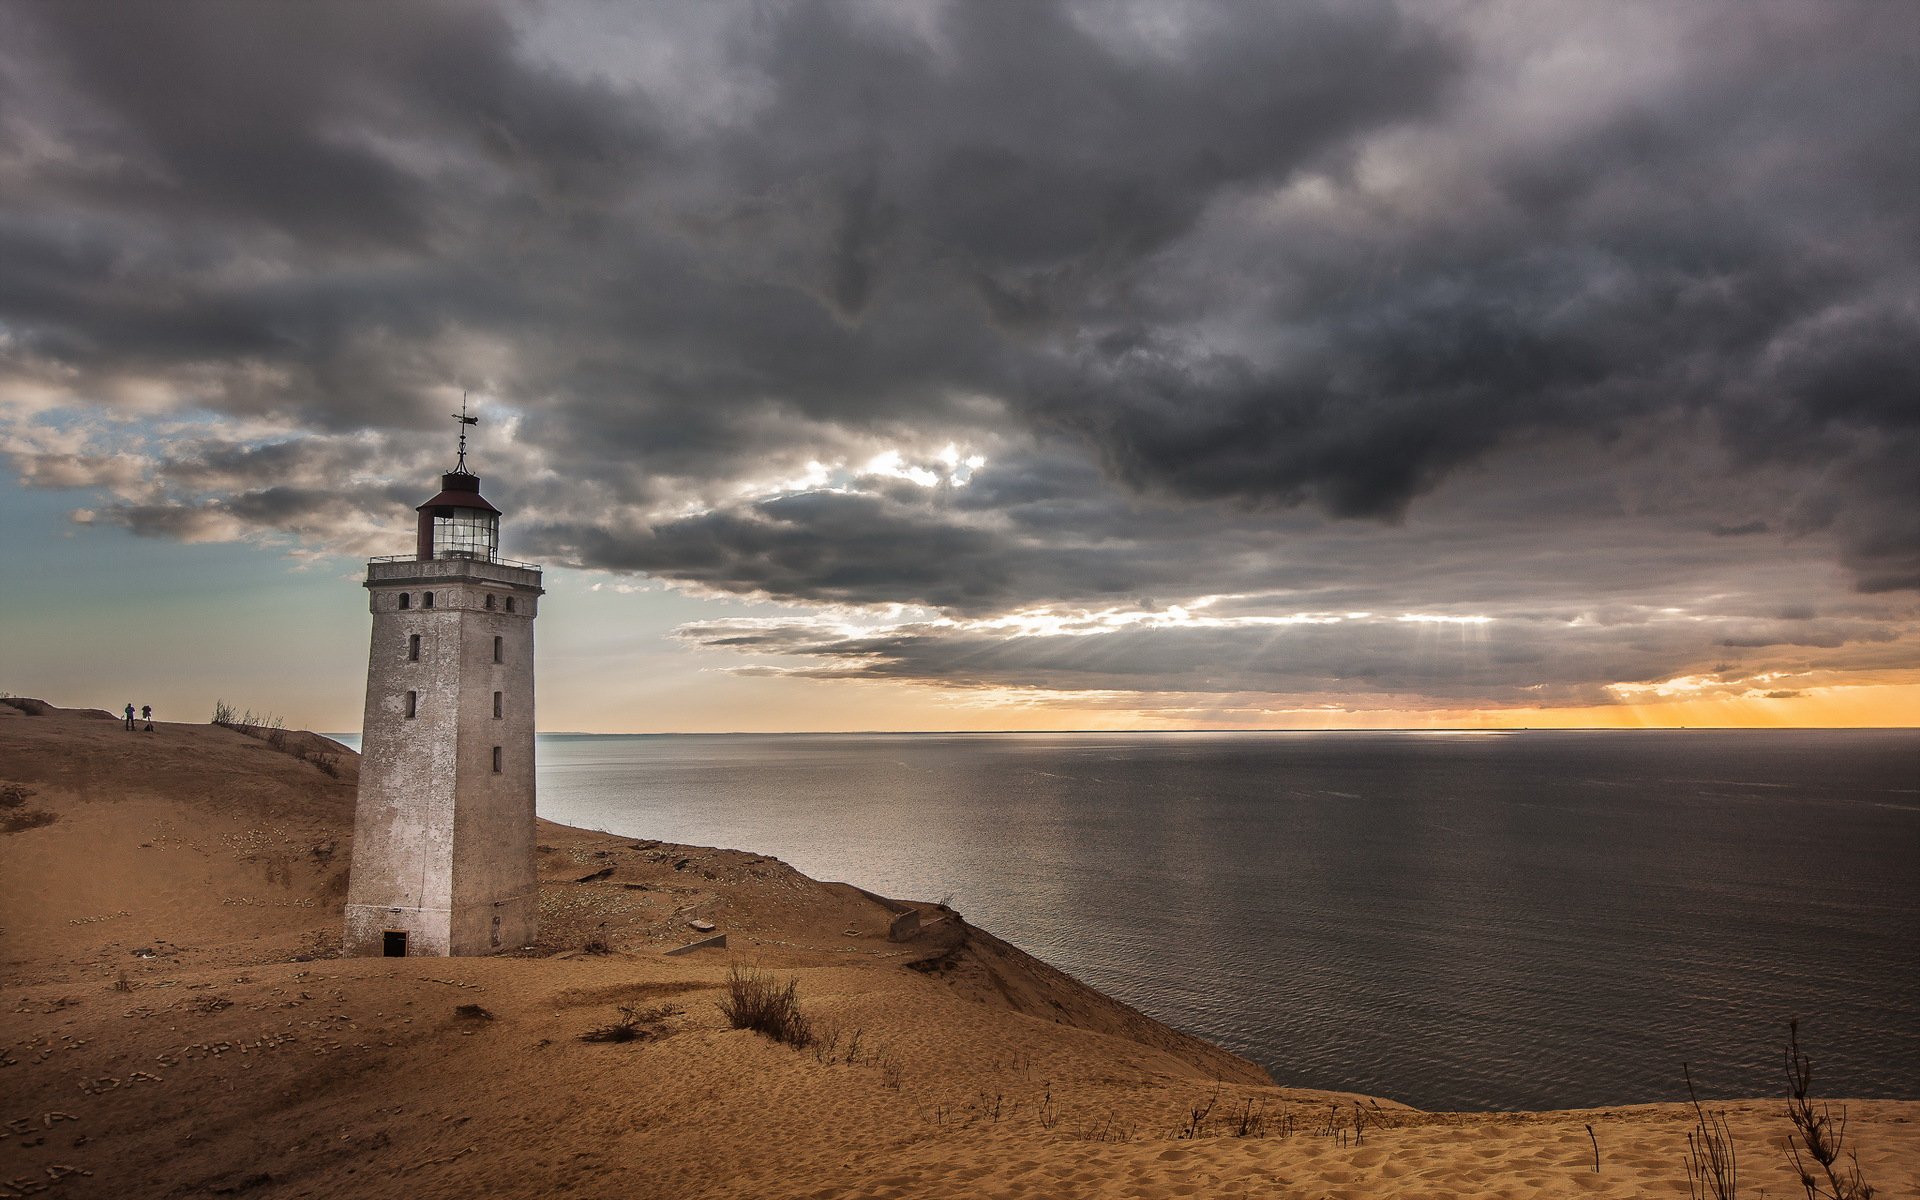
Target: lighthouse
point(443, 832)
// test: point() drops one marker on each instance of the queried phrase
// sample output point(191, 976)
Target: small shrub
point(756, 1001)
point(633, 1025)
point(826, 1040)
point(1197, 1115)
point(1818, 1139)
point(1108, 1130)
point(990, 1104)
point(626, 1029)
point(1712, 1167)
point(223, 714)
point(597, 943)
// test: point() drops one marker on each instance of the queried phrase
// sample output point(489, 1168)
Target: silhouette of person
point(129, 714)
point(146, 714)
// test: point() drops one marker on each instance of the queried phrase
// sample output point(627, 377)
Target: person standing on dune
point(146, 714)
point(129, 714)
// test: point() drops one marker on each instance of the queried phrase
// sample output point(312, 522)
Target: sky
point(987, 365)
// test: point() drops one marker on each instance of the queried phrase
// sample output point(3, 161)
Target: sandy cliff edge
point(175, 1025)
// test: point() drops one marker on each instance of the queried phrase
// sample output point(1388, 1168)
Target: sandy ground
point(175, 1024)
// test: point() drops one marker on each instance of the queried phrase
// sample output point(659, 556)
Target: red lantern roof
point(458, 489)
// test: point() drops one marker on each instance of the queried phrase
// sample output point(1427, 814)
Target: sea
point(1460, 921)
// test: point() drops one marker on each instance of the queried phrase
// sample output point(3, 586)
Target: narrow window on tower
point(496, 706)
point(413, 705)
point(496, 760)
point(498, 656)
point(413, 647)
point(489, 599)
point(406, 601)
point(426, 600)
point(509, 603)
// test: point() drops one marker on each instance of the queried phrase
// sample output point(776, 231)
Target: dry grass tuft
point(758, 1002)
point(634, 1025)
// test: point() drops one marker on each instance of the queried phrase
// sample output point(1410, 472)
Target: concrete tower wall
point(444, 843)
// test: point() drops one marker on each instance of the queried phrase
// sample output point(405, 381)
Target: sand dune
point(176, 1025)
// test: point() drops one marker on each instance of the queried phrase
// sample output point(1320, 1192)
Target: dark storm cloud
point(1290, 302)
point(420, 174)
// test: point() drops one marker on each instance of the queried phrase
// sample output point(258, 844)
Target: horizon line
point(1212, 729)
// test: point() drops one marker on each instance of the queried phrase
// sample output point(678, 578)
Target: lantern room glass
point(466, 533)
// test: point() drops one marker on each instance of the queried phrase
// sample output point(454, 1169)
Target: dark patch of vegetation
point(20, 822)
point(758, 1002)
point(471, 1012)
point(15, 816)
point(597, 944)
point(635, 1025)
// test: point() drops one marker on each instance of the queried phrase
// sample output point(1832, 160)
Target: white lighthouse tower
point(443, 834)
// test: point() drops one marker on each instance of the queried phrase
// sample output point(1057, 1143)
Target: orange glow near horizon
point(858, 706)
point(1847, 706)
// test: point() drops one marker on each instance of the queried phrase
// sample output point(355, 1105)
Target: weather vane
point(465, 420)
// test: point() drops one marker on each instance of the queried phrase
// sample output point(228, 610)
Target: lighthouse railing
point(456, 556)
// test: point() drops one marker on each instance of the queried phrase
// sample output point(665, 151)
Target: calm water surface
point(1519, 920)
